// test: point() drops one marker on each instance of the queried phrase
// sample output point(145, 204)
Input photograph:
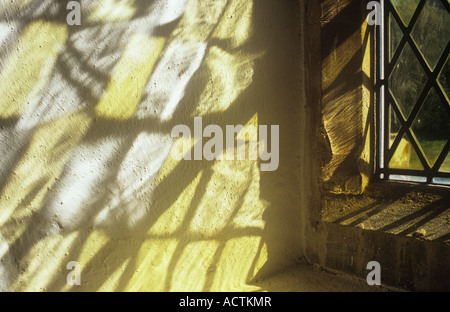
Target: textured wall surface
point(86, 172)
point(358, 219)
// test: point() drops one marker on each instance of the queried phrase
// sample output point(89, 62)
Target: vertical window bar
point(431, 173)
point(381, 87)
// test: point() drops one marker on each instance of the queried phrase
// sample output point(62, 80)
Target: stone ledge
point(405, 209)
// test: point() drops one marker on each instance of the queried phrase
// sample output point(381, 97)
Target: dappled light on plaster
point(87, 172)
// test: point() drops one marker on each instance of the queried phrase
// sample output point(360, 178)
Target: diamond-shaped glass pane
point(432, 31)
point(407, 80)
point(432, 127)
point(405, 9)
point(446, 165)
point(444, 78)
point(395, 36)
point(405, 157)
point(394, 126)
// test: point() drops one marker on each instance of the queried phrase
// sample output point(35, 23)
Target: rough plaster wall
point(86, 173)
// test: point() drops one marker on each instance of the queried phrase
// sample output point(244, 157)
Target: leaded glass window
point(414, 91)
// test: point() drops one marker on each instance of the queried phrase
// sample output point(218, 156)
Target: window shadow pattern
point(86, 175)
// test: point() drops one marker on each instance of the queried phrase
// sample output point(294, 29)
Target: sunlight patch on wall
point(171, 220)
point(168, 82)
point(131, 192)
point(49, 261)
point(116, 201)
point(40, 168)
point(142, 162)
point(199, 20)
point(246, 140)
point(113, 279)
point(239, 259)
point(230, 75)
point(8, 30)
point(225, 192)
point(152, 262)
point(250, 131)
point(70, 202)
point(236, 23)
point(169, 11)
point(110, 11)
point(180, 146)
point(250, 216)
point(129, 77)
point(92, 247)
point(193, 267)
point(29, 66)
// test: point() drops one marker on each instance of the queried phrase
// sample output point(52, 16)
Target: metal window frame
point(385, 100)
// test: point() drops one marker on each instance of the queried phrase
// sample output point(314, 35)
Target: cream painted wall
point(86, 172)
